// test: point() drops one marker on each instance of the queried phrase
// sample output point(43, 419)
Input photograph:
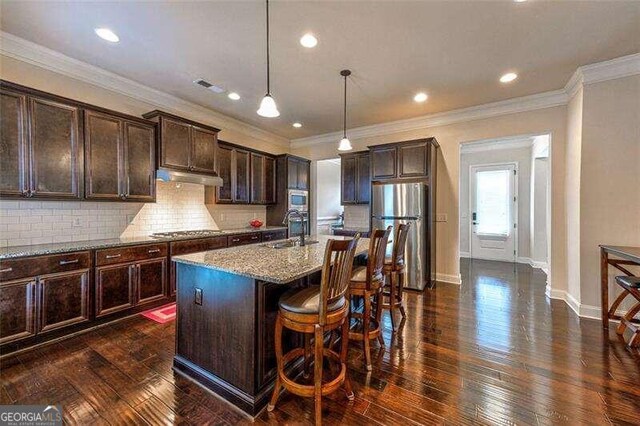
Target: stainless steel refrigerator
point(394, 204)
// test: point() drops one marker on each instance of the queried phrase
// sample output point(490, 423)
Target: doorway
point(493, 203)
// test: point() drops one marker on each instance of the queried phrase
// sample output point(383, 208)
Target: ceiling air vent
point(207, 85)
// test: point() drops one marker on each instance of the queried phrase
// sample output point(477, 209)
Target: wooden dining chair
point(367, 282)
point(632, 286)
point(394, 270)
point(314, 311)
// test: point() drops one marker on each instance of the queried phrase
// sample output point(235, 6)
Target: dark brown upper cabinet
point(355, 185)
point(185, 145)
point(41, 144)
point(247, 176)
point(298, 171)
point(403, 160)
point(120, 158)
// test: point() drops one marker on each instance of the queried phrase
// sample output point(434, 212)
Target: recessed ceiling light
point(234, 96)
point(508, 77)
point(308, 40)
point(297, 125)
point(420, 97)
point(107, 34)
point(519, 1)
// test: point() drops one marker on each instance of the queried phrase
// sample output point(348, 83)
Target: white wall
point(521, 156)
point(538, 232)
point(328, 187)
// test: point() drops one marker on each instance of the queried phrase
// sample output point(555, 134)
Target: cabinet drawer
point(194, 246)
point(12, 269)
point(130, 254)
point(239, 240)
point(274, 235)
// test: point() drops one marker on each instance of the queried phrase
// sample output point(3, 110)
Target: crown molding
point(479, 112)
point(43, 57)
point(624, 66)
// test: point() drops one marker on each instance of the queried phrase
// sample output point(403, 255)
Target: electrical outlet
point(441, 217)
point(78, 222)
point(198, 296)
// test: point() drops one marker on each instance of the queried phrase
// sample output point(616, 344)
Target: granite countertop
point(279, 266)
point(42, 249)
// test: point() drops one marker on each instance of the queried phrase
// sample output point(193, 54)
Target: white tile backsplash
point(177, 207)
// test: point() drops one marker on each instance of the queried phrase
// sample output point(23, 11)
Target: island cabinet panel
point(151, 280)
point(216, 323)
point(185, 145)
point(14, 163)
point(17, 310)
point(120, 158)
point(114, 288)
point(63, 300)
point(192, 246)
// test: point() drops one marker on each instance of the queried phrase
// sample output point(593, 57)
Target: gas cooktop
point(191, 233)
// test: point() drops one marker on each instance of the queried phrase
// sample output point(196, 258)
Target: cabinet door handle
point(68, 262)
point(6, 270)
point(154, 251)
point(255, 237)
point(235, 240)
point(112, 256)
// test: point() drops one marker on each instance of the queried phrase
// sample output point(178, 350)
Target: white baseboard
point(451, 279)
point(582, 310)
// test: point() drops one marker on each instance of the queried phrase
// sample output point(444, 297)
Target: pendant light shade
point(345, 143)
point(268, 106)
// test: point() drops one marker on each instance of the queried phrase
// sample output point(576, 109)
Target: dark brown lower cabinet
point(114, 288)
point(63, 300)
point(17, 310)
point(151, 280)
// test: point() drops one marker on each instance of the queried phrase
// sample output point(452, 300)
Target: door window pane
point(493, 202)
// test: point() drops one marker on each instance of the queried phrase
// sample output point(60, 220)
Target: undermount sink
point(288, 243)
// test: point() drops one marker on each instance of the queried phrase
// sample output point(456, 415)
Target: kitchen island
point(227, 304)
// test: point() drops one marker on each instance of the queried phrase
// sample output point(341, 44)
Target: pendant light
point(268, 106)
point(345, 143)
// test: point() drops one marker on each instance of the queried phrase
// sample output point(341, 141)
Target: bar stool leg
point(379, 301)
point(366, 320)
point(307, 355)
point(631, 313)
point(399, 289)
point(392, 298)
point(317, 374)
point(344, 349)
point(278, 341)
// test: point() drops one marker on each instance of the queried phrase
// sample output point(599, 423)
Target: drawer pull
point(254, 237)
point(6, 270)
point(68, 262)
point(235, 240)
point(112, 256)
point(154, 251)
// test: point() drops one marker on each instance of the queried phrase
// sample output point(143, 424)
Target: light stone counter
point(279, 266)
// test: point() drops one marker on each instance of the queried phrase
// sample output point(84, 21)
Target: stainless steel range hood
point(187, 177)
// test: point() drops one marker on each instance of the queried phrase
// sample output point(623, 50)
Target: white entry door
point(493, 212)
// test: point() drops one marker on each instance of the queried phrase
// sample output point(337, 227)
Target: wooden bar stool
point(367, 282)
point(315, 310)
point(632, 287)
point(394, 269)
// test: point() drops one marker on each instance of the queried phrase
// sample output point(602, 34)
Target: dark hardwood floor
point(493, 351)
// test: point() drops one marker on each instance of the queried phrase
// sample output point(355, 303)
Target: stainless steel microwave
point(298, 200)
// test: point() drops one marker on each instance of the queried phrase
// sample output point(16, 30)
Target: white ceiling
point(455, 51)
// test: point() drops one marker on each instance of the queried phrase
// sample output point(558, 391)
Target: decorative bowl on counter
point(256, 223)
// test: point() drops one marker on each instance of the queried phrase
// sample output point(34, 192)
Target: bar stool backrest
point(399, 244)
point(377, 250)
point(336, 272)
